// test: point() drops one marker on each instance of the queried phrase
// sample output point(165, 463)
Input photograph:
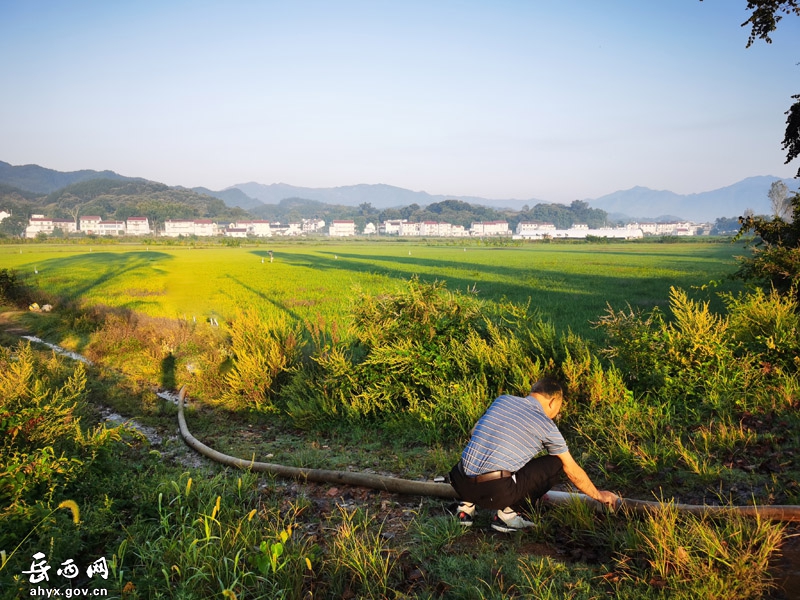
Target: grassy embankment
point(638, 438)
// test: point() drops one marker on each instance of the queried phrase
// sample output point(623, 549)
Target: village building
point(669, 228)
point(40, 224)
point(540, 231)
point(187, 227)
point(178, 227)
point(111, 228)
point(90, 224)
point(534, 229)
point(489, 228)
point(342, 228)
point(260, 228)
point(205, 228)
point(392, 227)
point(409, 229)
point(236, 232)
point(4, 214)
point(312, 225)
point(277, 228)
point(138, 226)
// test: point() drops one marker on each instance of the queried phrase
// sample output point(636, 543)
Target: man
point(500, 468)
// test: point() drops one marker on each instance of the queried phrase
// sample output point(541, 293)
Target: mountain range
point(638, 203)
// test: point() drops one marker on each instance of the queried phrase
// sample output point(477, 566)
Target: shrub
point(45, 454)
point(263, 354)
point(766, 325)
point(776, 252)
point(423, 357)
point(12, 291)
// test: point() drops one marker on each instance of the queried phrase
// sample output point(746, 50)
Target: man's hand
point(608, 498)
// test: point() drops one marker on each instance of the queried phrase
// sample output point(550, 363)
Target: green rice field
point(570, 284)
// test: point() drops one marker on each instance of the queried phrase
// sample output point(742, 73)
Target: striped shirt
point(510, 433)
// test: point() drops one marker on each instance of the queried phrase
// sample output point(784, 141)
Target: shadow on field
point(532, 281)
point(567, 299)
point(265, 298)
point(74, 276)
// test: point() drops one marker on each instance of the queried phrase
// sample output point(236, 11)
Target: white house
point(342, 228)
point(392, 227)
point(577, 232)
point(480, 228)
point(370, 229)
point(534, 229)
point(429, 228)
point(260, 228)
point(205, 228)
point(4, 214)
point(236, 232)
point(198, 227)
point(312, 225)
point(278, 229)
point(111, 228)
point(670, 228)
point(90, 224)
point(409, 229)
point(138, 226)
point(177, 227)
point(40, 224)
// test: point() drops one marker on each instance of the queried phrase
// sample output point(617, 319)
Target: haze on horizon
point(500, 100)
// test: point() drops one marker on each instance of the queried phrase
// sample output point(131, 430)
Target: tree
point(725, 226)
point(766, 14)
point(791, 141)
point(776, 252)
point(765, 17)
point(776, 256)
point(778, 200)
point(13, 226)
point(367, 209)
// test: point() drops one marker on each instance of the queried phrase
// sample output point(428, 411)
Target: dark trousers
point(529, 484)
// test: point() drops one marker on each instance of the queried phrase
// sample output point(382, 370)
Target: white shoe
point(505, 523)
point(466, 513)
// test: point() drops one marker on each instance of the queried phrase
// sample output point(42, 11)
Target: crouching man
point(500, 467)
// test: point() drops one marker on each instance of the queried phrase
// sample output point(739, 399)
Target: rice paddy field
point(569, 284)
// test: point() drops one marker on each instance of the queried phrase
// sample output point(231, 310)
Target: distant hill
point(39, 180)
point(730, 201)
point(639, 203)
point(265, 201)
point(231, 197)
point(378, 195)
point(118, 199)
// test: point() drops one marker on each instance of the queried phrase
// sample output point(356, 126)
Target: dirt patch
point(9, 323)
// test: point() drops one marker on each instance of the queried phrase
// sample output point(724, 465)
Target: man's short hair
point(549, 387)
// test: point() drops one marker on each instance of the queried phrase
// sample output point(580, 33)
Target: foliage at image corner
point(775, 259)
point(47, 455)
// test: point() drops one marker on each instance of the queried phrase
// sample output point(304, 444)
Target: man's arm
point(581, 480)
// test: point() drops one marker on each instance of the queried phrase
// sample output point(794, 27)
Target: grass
point(214, 533)
point(570, 284)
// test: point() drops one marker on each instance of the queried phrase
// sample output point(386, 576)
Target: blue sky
point(553, 101)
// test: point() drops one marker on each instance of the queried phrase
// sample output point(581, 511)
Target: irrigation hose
point(787, 513)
